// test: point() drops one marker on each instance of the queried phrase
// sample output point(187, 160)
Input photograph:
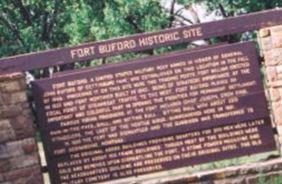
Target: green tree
point(230, 8)
point(32, 25)
point(234, 7)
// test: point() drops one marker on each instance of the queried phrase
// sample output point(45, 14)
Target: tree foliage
point(32, 25)
point(235, 7)
point(230, 8)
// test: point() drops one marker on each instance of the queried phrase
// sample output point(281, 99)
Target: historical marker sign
point(154, 114)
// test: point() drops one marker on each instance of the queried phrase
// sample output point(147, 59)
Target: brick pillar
point(19, 160)
point(271, 49)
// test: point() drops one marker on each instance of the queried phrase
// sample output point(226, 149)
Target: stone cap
point(11, 76)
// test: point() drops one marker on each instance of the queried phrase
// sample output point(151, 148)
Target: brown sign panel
point(154, 114)
point(141, 42)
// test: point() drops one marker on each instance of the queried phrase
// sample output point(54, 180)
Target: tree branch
point(53, 19)
point(47, 27)
point(131, 21)
point(194, 15)
point(227, 38)
point(23, 11)
point(4, 19)
point(184, 18)
point(231, 3)
point(222, 10)
point(171, 13)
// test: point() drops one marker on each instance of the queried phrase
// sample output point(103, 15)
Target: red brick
point(264, 32)
point(265, 43)
point(18, 97)
point(5, 165)
point(275, 94)
point(13, 76)
point(29, 147)
point(23, 126)
point(277, 112)
point(10, 86)
point(10, 111)
point(276, 34)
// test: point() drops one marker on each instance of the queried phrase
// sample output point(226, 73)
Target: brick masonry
point(271, 49)
point(270, 40)
point(19, 160)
